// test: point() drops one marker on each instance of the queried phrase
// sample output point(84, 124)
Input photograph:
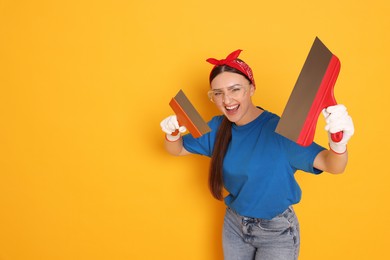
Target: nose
point(226, 98)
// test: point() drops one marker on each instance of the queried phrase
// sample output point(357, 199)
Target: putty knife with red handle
point(312, 93)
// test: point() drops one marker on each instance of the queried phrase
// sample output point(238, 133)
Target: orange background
point(85, 84)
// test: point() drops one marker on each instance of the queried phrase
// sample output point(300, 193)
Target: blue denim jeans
point(253, 239)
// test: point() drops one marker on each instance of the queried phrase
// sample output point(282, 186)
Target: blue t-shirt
point(259, 165)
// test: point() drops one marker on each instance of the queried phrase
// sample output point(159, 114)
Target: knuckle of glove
point(336, 109)
point(168, 125)
point(182, 129)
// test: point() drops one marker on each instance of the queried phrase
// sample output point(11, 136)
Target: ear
point(252, 89)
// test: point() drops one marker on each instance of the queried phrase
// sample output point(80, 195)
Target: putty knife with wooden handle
point(188, 116)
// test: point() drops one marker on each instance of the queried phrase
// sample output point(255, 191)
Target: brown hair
point(224, 135)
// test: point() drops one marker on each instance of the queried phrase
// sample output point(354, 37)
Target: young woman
point(255, 165)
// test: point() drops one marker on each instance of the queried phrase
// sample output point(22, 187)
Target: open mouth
point(232, 109)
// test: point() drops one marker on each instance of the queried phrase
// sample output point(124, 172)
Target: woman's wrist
point(172, 138)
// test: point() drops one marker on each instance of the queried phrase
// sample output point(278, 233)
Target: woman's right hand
point(170, 126)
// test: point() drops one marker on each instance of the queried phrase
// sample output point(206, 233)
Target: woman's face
point(231, 93)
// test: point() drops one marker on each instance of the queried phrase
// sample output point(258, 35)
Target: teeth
point(232, 107)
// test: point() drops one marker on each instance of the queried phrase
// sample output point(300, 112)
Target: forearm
point(173, 136)
point(337, 120)
point(175, 148)
point(331, 162)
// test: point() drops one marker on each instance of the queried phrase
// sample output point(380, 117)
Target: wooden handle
point(176, 132)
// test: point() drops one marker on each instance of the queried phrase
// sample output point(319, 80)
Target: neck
point(252, 113)
point(255, 112)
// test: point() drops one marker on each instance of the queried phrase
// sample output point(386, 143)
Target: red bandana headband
point(232, 61)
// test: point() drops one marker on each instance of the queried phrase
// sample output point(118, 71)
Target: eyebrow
point(229, 87)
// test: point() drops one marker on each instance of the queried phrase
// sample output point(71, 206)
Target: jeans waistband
point(246, 220)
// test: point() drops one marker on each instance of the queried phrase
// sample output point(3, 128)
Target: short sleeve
point(203, 145)
point(302, 158)
point(299, 157)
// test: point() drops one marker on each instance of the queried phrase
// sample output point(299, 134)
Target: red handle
point(337, 137)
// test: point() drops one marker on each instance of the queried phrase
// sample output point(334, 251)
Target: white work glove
point(169, 126)
point(337, 119)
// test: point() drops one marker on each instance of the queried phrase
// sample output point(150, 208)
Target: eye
point(217, 93)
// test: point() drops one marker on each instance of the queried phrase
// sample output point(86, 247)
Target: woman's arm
point(176, 147)
point(173, 142)
point(335, 159)
point(331, 162)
